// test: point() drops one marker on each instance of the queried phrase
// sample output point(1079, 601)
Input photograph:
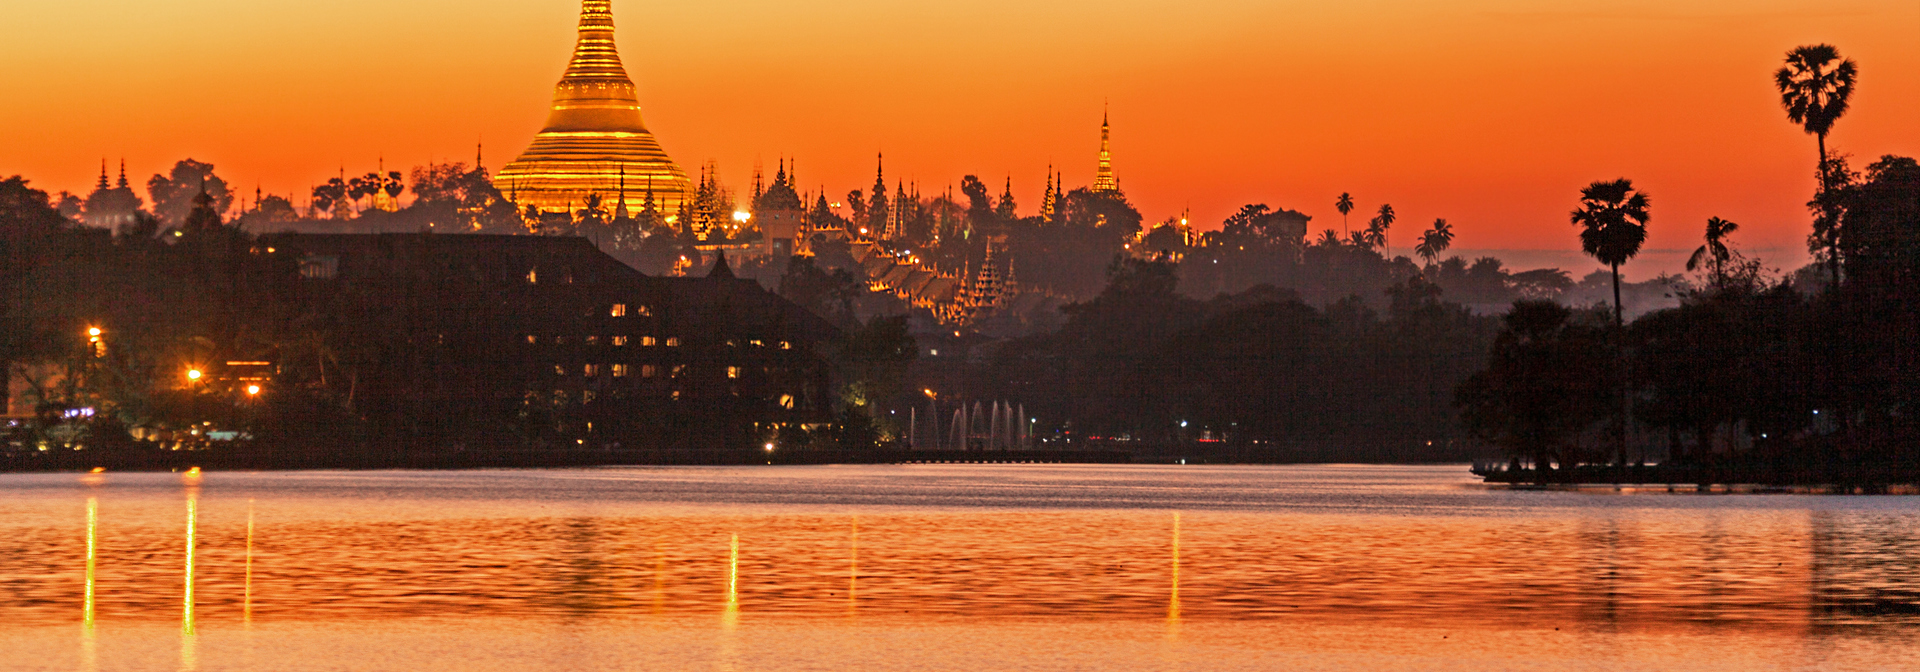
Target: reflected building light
point(730, 616)
point(186, 604)
point(93, 528)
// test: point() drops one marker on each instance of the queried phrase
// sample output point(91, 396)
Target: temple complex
point(594, 140)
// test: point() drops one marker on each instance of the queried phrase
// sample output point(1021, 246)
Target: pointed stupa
point(720, 267)
point(1103, 179)
point(594, 130)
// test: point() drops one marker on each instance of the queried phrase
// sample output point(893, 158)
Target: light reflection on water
point(1047, 552)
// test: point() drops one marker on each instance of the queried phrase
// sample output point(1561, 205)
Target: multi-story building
point(548, 341)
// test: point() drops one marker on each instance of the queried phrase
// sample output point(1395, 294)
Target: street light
point(193, 374)
point(769, 447)
point(253, 390)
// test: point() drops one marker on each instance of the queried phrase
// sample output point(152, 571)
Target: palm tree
point(1345, 205)
point(1377, 229)
point(1328, 238)
point(1435, 241)
point(1815, 97)
point(1613, 220)
point(1715, 254)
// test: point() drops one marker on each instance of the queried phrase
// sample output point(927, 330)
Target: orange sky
point(1490, 113)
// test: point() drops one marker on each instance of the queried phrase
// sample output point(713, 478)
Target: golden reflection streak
point(189, 658)
point(731, 615)
point(88, 659)
point(1173, 596)
point(93, 527)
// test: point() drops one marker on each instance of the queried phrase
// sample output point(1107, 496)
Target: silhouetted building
point(594, 134)
point(547, 340)
point(111, 207)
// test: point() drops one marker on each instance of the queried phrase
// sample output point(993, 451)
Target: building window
point(559, 397)
point(590, 370)
point(532, 339)
point(673, 341)
point(648, 341)
point(786, 401)
point(619, 370)
point(586, 397)
point(785, 345)
point(533, 276)
point(756, 343)
point(733, 372)
point(643, 311)
point(559, 370)
point(649, 371)
point(619, 341)
point(679, 369)
point(593, 340)
point(619, 310)
point(676, 395)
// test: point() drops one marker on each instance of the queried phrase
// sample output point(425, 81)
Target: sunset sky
point(1490, 113)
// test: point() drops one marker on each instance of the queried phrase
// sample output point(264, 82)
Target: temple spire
point(1103, 179)
point(102, 186)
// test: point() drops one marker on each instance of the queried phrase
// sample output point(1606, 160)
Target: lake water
point(941, 567)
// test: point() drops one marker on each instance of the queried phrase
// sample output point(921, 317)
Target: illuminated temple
point(594, 141)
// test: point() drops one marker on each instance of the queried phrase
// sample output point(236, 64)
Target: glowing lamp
point(253, 390)
point(93, 331)
point(769, 447)
point(193, 374)
point(742, 215)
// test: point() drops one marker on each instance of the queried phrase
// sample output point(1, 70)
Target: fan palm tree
point(1715, 254)
point(1328, 238)
point(1435, 241)
point(1345, 205)
point(1613, 225)
point(1815, 96)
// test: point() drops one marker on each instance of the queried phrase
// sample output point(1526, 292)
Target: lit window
point(786, 401)
point(533, 276)
point(648, 341)
point(586, 397)
point(593, 340)
point(732, 344)
point(531, 339)
point(649, 371)
point(673, 341)
point(559, 340)
point(590, 370)
point(676, 395)
point(619, 341)
point(619, 370)
point(733, 372)
point(559, 397)
point(619, 310)
point(643, 311)
point(756, 343)
point(679, 369)
point(785, 345)
point(559, 370)
point(935, 352)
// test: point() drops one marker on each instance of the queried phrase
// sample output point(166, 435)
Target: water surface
point(948, 567)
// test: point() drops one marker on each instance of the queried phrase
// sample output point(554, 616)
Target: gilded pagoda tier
point(595, 141)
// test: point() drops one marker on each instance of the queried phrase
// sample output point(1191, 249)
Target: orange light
point(253, 390)
point(193, 374)
point(93, 331)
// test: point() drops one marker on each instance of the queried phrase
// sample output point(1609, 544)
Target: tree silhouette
point(1376, 235)
point(1815, 96)
point(1345, 205)
point(1613, 220)
point(172, 194)
point(1715, 254)
point(1435, 241)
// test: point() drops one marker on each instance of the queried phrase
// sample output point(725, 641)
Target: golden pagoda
point(1103, 179)
point(594, 141)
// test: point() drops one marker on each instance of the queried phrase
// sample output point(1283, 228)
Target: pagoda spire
point(102, 186)
point(1103, 179)
point(123, 174)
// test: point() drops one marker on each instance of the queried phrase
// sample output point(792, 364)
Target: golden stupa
point(594, 141)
